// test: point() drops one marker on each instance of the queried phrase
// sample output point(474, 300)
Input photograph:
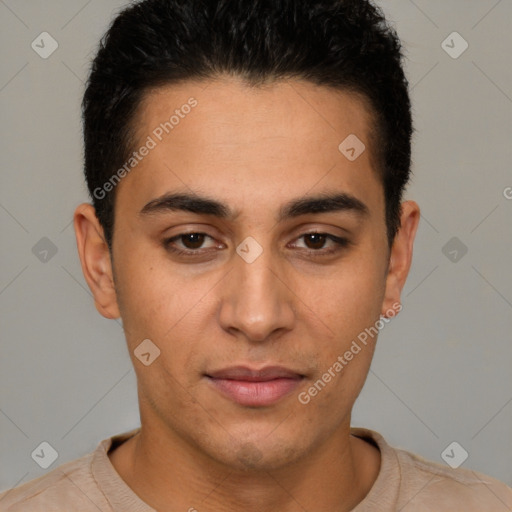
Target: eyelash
point(341, 243)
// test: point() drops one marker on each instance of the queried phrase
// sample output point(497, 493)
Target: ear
point(95, 260)
point(401, 256)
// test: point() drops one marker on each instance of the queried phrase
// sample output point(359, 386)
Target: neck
point(169, 474)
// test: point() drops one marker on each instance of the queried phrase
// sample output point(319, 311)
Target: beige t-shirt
point(406, 482)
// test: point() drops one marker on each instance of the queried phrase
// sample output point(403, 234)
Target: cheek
point(349, 300)
point(348, 305)
point(153, 296)
point(159, 303)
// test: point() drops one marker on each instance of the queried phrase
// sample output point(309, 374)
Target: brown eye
point(317, 240)
point(188, 244)
point(314, 244)
point(192, 240)
point(192, 244)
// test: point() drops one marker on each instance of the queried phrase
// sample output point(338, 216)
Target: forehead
point(260, 141)
point(279, 108)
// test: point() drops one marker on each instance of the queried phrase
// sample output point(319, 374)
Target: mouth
point(255, 388)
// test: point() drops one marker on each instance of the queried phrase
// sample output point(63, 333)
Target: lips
point(257, 388)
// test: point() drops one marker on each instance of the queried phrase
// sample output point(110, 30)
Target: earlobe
point(401, 256)
point(95, 260)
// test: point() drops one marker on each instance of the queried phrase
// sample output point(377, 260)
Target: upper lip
point(253, 375)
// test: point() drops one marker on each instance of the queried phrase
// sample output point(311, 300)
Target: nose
point(257, 300)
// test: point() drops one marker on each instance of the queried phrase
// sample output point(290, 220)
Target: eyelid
point(327, 235)
point(169, 240)
point(339, 244)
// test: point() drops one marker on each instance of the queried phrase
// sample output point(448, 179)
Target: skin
point(254, 150)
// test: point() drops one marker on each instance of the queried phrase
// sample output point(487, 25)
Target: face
point(252, 296)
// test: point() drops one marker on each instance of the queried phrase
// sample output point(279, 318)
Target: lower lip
point(256, 393)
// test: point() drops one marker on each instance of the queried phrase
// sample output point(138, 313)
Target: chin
point(258, 453)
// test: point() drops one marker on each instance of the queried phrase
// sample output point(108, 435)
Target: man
point(246, 162)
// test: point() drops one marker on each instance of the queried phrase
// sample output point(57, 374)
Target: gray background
point(442, 370)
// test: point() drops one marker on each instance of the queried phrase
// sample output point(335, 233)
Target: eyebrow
point(194, 203)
